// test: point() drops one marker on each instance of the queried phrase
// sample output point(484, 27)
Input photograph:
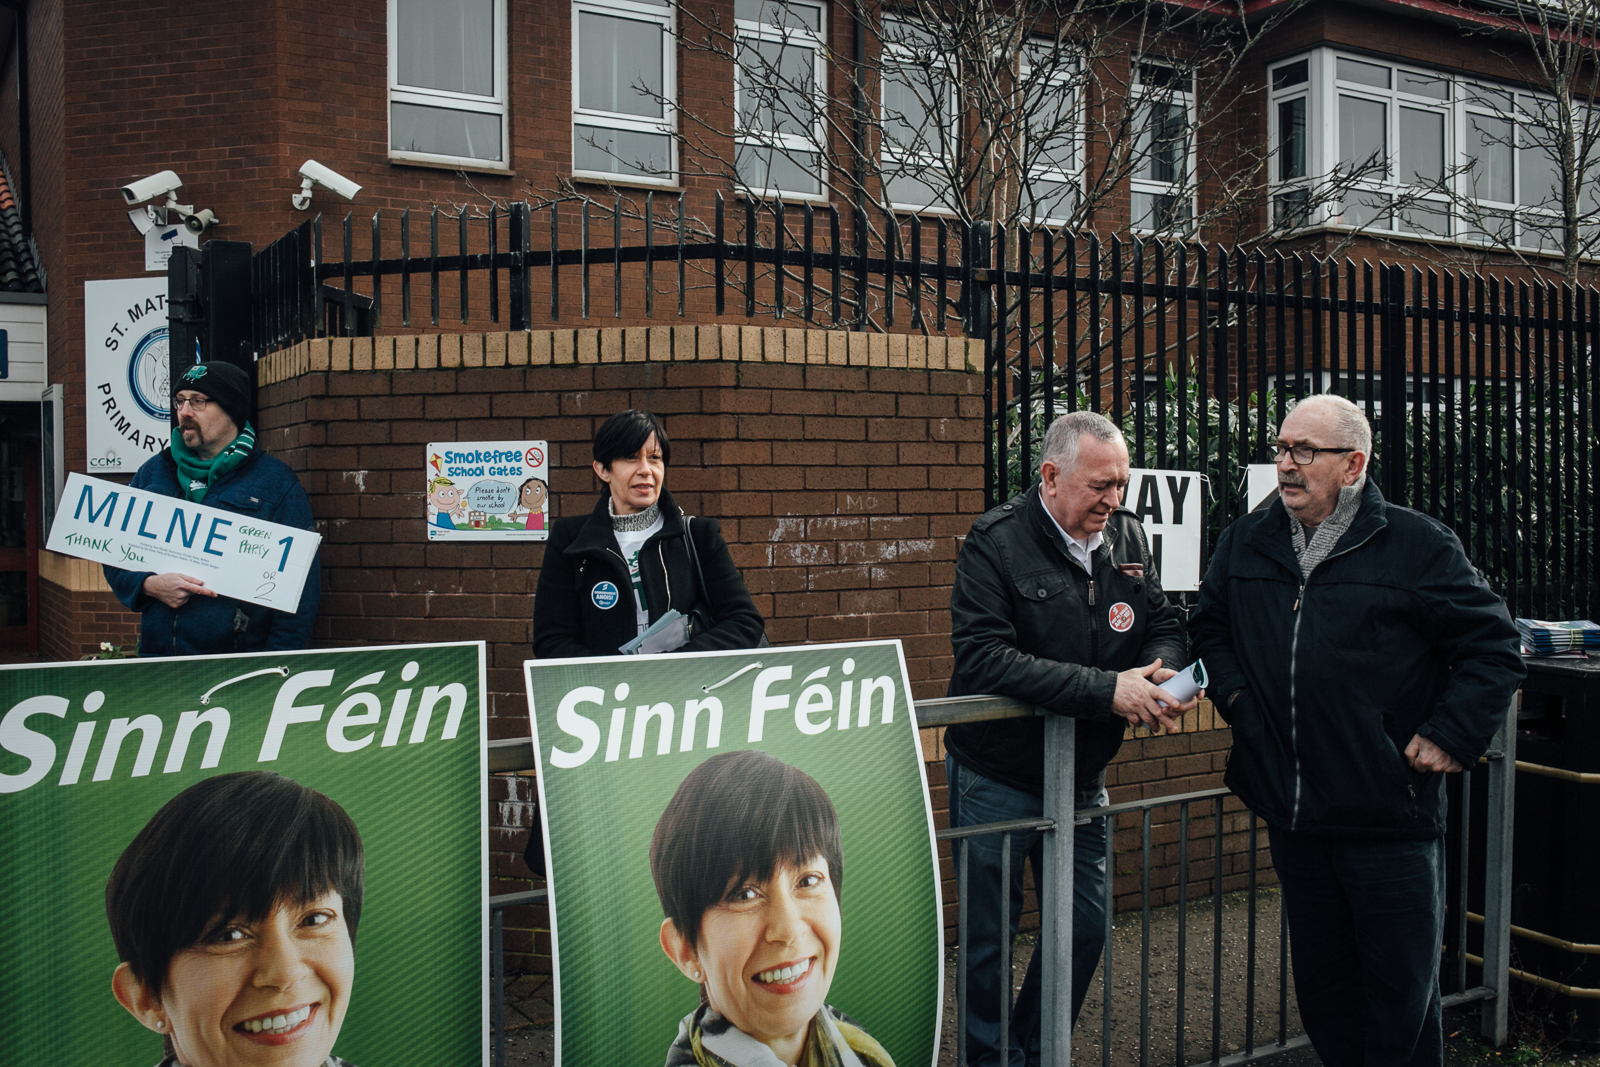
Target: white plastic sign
point(238, 556)
point(1171, 505)
point(488, 490)
point(126, 373)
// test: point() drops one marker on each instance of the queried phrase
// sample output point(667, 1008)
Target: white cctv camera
point(314, 173)
point(201, 220)
point(166, 183)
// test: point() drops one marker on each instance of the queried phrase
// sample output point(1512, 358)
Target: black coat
point(1392, 635)
point(1027, 622)
point(582, 552)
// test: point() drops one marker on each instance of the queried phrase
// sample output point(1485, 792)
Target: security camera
point(314, 173)
point(201, 220)
point(166, 183)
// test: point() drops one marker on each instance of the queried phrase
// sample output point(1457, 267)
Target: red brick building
point(843, 467)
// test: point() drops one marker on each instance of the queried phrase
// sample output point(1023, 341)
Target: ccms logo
point(108, 461)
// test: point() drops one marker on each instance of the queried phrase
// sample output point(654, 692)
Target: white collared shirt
point(1082, 551)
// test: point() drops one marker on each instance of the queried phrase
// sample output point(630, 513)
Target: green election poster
point(245, 859)
point(742, 863)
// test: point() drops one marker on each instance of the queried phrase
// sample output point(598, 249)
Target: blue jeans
point(1366, 918)
point(974, 800)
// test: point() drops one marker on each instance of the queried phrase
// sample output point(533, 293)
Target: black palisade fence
point(1482, 390)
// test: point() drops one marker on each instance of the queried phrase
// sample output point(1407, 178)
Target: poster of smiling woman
point(742, 864)
point(245, 859)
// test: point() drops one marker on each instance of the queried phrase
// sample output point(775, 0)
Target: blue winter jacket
point(263, 487)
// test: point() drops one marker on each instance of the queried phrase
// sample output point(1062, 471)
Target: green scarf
point(196, 476)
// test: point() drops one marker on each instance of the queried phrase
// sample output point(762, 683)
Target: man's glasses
point(1303, 454)
point(196, 403)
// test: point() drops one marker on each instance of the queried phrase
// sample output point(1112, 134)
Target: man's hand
point(1424, 755)
point(1139, 698)
point(174, 589)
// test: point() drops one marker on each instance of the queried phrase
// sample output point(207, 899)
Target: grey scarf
point(639, 520)
point(1314, 550)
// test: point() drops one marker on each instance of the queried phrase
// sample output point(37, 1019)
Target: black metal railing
point(1482, 390)
point(1233, 1040)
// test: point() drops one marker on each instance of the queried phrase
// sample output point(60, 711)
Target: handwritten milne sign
point(236, 555)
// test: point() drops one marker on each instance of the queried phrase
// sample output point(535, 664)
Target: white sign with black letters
point(1171, 505)
point(237, 555)
point(126, 373)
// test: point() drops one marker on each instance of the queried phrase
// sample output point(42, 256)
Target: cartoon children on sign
point(531, 502)
point(444, 504)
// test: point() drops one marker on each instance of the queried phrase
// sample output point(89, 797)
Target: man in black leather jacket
point(1056, 602)
point(1359, 658)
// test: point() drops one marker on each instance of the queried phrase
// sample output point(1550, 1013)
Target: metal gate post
point(1393, 389)
point(1055, 937)
point(1502, 757)
point(978, 327)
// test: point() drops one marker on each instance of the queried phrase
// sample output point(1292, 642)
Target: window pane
point(1421, 147)
point(1163, 143)
point(777, 87)
point(442, 132)
point(1541, 174)
point(1050, 200)
point(446, 44)
point(1364, 135)
point(909, 113)
point(761, 168)
point(1159, 211)
point(1363, 73)
point(1421, 217)
point(1424, 85)
point(905, 187)
point(1543, 234)
point(1052, 126)
point(1495, 227)
point(1484, 96)
point(1161, 76)
point(779, 13)
point(617, 58)
point(627, 152)
point(1292, 208)
point(1364, 209)
point(1296, 73)
point(1292, 138)
point(1489, 153)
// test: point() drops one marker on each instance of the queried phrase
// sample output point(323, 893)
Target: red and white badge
point(1121, 617)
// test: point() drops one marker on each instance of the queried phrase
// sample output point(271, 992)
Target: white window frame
point(1041, 170)
point(783, 143)
point(1322, 93)
point(892, 158)
point(666, 16)
point(488, 105)
point(1186, 187)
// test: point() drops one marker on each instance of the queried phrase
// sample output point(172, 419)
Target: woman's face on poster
point(265, 994)
point(769, 949)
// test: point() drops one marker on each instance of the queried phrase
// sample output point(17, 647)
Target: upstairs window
point(1053, 147)
point(920, 126)
point(1162, 189)
point(447, 82)
point(779, 97)
point(1395, 148)
point(624, 79)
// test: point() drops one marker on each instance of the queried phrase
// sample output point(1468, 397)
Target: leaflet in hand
point(1187, 683)
point(666, 634)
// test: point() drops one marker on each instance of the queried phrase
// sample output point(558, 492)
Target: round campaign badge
point(1121, 617)
point(604, 596)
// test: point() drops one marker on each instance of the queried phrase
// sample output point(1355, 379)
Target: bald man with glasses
point(1359, 659)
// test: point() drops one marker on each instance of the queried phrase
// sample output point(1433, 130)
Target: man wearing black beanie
point(214, 460)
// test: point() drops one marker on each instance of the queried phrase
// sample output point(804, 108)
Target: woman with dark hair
point(748, 865)
point(234, 913)
point(609, 575)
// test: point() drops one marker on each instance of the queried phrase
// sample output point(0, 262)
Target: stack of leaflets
point(1572, 639)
